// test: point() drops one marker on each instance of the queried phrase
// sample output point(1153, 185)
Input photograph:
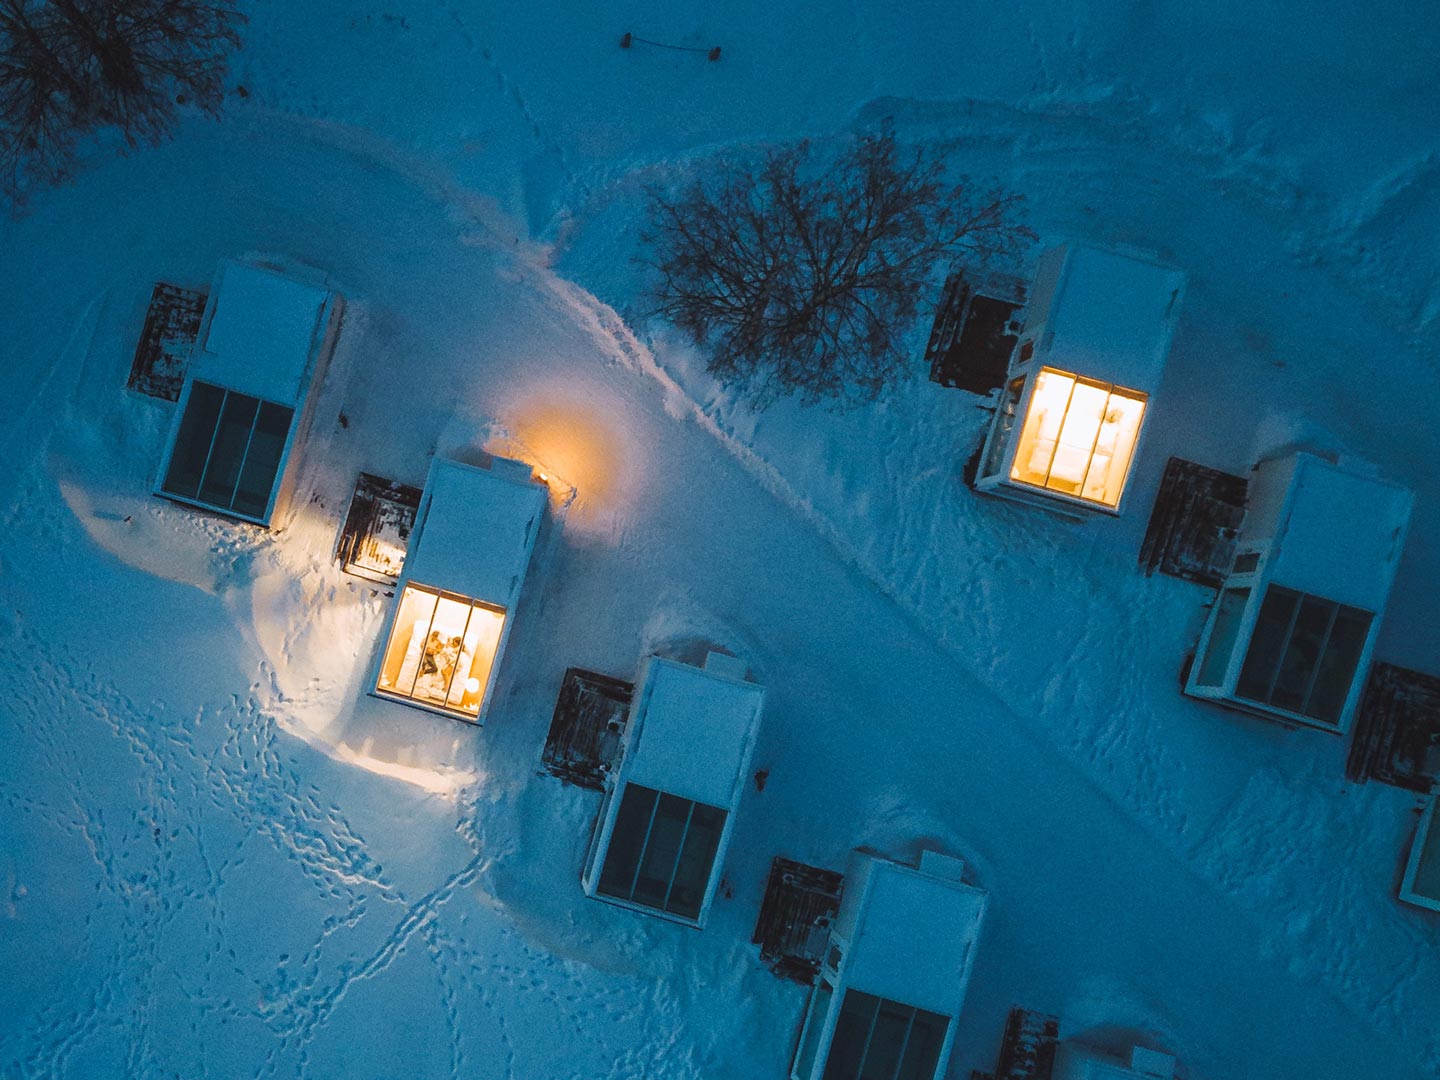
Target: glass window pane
point(814, 1025)
point(697, 858)
point(657, 867)
point(1035, 452)
point(1267, 643)
point(922, 1052)
point(227, 453)
point(262, 461)
point(192, 440)
point(477, 657)
point(1228, 610)
point(401, 665)
point(1302, 653)
point(852, 1031)
point(626, 840)
point(1114, 447)
point(1337, 666)
point(887, 1041)
point(1077, 438)
point(441, 654)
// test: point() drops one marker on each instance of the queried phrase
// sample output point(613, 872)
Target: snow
point(692, 732)
point(910, 935)
point(262, 334)
point(1335, 533)
point(475, 531)
point(1074, 1062)
point(220, 857)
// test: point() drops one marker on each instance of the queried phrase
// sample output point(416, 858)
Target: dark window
point(662, 851)
point(878, 1039)
point(1303, 654)
point(227, 451)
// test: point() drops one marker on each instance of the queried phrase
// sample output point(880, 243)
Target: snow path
point(292, 915)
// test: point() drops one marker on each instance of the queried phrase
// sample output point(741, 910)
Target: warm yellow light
point(1078, 437)
point(441, 649)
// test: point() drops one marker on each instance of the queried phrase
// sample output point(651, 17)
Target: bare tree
point(804, 279)
point(68, 67)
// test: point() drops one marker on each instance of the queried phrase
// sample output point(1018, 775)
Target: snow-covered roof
point(475, 530)
point(261, 333)
point(911, 932)
point(692, 731)
point(1106, 315)
point(1335, 533)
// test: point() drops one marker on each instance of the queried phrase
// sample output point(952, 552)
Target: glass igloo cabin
point(670, 805)
point(1096, 335)
point(470, 548)
point(893, 978)
point(245, 404)
point(1291, 634)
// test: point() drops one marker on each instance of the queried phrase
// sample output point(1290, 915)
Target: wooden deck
point(376, 533)
point(799, 906)
point(1194, 524)
point(584, 737)
point(172, 324)
point(972, 336)
point(1397, 730)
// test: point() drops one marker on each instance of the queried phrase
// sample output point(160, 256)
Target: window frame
point(825, 1063)
point(609, 825)
point(168, 462)
point(402, 589)
point(1240, 662)
point(1112, 390)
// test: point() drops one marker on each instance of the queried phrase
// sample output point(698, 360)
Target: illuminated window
point(1303, 654)
point(1078, 437)
point(662, 851)
point(875, 1037)
point(228, 451)
point(441, 650)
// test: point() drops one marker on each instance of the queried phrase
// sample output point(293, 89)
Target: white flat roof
point(476, 528)
point(1343, 536)
point(692, 732)
point(1112, 317)
point(915, 935)
point(261, 333)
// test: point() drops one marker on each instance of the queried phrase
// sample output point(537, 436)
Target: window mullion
point(240, 469)
point(679, 850)
point(904, 1044)
point(1285, 648)
point(869, 1036)
point(455, 671)
point(644, 845)
point(424, 641)
point(1059, 430)
point(214, 435)
point(1319, 656)
point(1090, 461)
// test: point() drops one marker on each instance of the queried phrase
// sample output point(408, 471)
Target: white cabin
point(1291, 634)
point(895, 972)
point(474, 534)
point(264, 341)
point(1421, 884)
point(670, 805)
point(1074, 1061)
point(1097, 331)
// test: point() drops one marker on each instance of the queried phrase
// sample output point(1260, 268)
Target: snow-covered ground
point(218, 857)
